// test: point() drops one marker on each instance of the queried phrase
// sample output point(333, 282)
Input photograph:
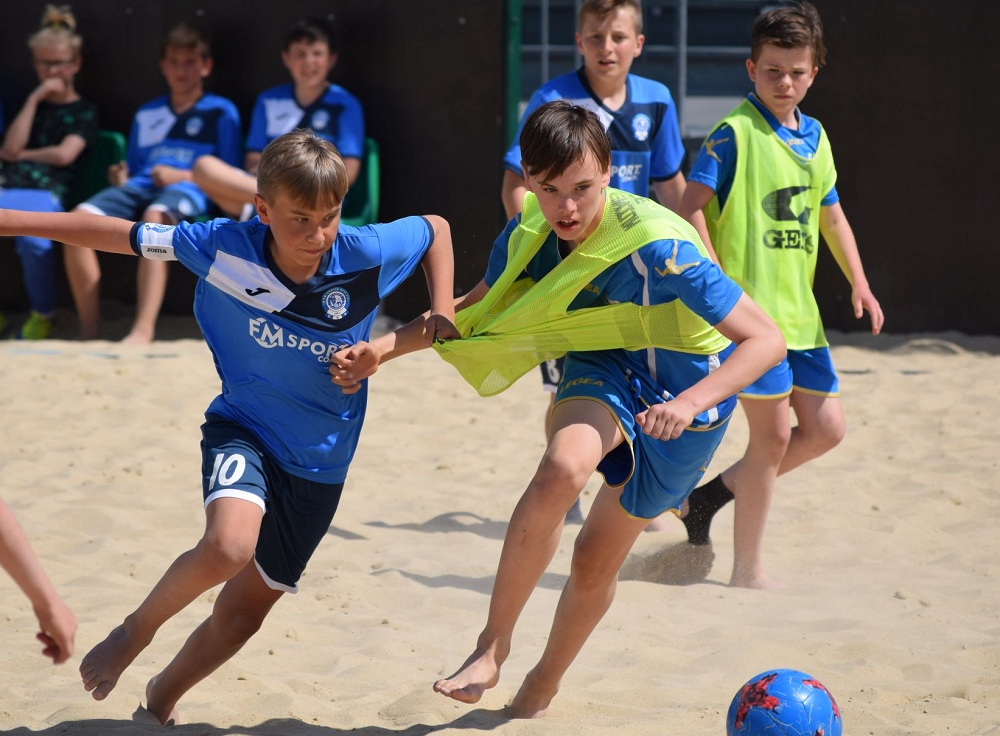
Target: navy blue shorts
point(297, 512)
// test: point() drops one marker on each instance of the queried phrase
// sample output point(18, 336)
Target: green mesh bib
point(520, 323)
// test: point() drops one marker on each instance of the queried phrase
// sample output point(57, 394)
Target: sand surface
point(888, 547)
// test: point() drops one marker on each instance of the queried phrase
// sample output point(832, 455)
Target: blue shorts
point(297, 512)
point(654, 475)
point(128, 203)
point(810, 371)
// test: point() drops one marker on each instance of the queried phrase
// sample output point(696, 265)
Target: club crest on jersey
point(193, 126)
point(336, 302)
point(320, 120)
point(640, 126)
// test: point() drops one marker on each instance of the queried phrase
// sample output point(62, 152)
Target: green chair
point(361, 205)
point(91, 174)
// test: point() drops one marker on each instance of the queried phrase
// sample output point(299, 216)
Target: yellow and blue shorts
point(810, 371)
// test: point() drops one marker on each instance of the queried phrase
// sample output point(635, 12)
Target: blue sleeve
point(257, 137)
point(402, 246)
point(716, 162)
point(351, 129)
point(230, 136)
point(701, 286)
point(191, 243)
point(498, 254)
point(667, 154)
point(832, 197)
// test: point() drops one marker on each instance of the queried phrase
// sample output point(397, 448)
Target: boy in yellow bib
point(606, 275)
point(762, 191)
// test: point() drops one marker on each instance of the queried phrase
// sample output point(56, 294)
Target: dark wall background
point(906, 98)
point(429, 74)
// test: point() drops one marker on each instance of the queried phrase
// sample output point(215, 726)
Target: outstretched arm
point(840, 238)
point(82, 229)
point(352, 365)
point(56, 621)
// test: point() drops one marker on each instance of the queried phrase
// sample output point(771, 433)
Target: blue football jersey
point(336, 116)
point(272, 339)
point(161, 136)
point(645, 136)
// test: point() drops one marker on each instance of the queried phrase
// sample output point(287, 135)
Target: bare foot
point(754, 582)
point(104, 664)
point(137, 337)
point(661, 523)
point(532, 699)
point(479, 673)
point(165, 714)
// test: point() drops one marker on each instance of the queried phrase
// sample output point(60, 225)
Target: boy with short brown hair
point(764, 222)
point(277, 298)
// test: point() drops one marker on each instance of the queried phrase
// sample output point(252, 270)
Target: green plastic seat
point(362, 202)
point(91, 174)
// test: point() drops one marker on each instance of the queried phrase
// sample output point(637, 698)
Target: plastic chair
point(91, 175)
point(362, 202)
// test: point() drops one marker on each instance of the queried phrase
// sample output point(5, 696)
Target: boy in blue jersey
point(648, 420)
point(154, 182)
point(639, 114)
point(762, 191)
point(277, 297)
point(309, 101)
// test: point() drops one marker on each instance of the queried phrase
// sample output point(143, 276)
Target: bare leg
point(751, 479)
point(84, 274)
point(601, 548)
point(228, 543)
point(820, 428)
point(237, 615)
point(575, 513)
point(227, 186)
point(582, 433)
point(151, 285)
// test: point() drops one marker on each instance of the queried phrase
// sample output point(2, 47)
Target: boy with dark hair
point(639, 114)
point(762, 191)
point(310, 101)
point(154, 182)
point(611, 275)
point(277, 297)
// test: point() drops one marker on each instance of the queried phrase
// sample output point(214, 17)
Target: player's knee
point(203, 167)
point(227, 553)
point(772, 443)
point(559, 474)
point(829, 434)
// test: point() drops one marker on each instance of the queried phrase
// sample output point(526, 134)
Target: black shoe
point(703, 502)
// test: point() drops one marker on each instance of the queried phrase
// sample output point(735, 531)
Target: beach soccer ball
point(783, 703)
